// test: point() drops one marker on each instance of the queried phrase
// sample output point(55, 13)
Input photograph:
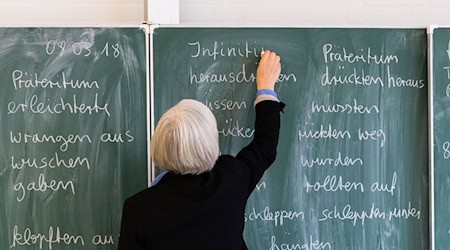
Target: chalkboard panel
point(441, 100)
point(73, 134)
point(351, 171)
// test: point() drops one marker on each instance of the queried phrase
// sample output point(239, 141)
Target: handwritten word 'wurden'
point(49, 162)
point(310, 245)
point(333, 53)
point(219, 49)
point(41, 185)
point(59, 106)
point(278, 216)
point(359, 77)
point(47, 241)
point(331, 162)
point(64, 141)
point(208, 76)
point(348, 108)
point(332, 133)
point(22, 79)
point(347, 213)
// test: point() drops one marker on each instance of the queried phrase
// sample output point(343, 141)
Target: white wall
point(415, 13)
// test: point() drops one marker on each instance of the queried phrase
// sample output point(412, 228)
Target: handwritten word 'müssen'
point(41, 241)
point(73, 106)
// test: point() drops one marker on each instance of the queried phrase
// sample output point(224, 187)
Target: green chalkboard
point(73, 134)
point(441, 100)
point(352, 170)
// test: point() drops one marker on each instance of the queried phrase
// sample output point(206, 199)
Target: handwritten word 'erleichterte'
point(49, 106)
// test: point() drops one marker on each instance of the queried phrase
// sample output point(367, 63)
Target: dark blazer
point(206, 211)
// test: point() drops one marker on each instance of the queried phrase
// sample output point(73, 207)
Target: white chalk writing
point(354, 108)
point(333, 184)
point(220, 49)
point(278, 216)
point(54, 236)
point(333, 53)
point(54, 161)
point(310, 245)
point(22, 79)
point(64, 141)
point(42, 186)
point(332, 162)
point(74, 106)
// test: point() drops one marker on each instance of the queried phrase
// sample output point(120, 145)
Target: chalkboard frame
point(429, 61)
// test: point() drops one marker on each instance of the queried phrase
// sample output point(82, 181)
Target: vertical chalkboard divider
point(431, 132)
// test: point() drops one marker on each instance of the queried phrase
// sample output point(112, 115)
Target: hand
point(268, 70)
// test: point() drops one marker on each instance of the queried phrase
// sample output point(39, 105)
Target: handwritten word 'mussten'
point(48, 106)
point(54, 161)
point(64, 141)
point(334, 53)
point(44, 241)
point(278, 216)
point(310, 245)
point(349, 108)
point(337, 161)
point(220, 49)
point(42, 185)
point(333, 184)
point(22, 79)
point(243, 76)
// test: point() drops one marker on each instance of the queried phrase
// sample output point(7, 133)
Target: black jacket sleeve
point(261, 152)
point(128, 235)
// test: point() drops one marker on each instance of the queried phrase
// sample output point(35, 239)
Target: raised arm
point(261, 152)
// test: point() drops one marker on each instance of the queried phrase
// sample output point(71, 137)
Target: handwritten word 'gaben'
point(48, 106)
point(64, 141)
point(22, 79)
point(42, 185)
point(44, 241)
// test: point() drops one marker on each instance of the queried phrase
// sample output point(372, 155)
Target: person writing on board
point(199, 203)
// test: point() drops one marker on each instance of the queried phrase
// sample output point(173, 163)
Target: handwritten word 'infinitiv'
point(209, 76)
point(310, 245)
point(22, 79)
point(220, 49)
point(48, 106)
point(333, 53)
point(44, 241)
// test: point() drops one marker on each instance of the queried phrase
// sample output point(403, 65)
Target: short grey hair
point(186, 139)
